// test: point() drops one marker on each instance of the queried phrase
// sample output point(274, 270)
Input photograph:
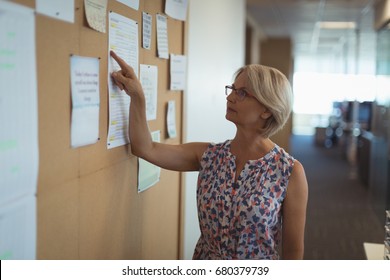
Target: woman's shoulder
point(216, 149)
point(225, 145)
point(283, 156)
point(298, 176)
point(298, 188)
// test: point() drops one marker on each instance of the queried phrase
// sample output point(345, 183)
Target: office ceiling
point(299, 19)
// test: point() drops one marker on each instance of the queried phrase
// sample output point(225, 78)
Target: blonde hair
point(272, 89)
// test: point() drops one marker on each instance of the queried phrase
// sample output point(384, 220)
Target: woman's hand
point(125, 78)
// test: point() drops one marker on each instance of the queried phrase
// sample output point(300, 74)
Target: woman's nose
point(231, 97)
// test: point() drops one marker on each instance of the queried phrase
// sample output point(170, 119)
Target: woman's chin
point(228, 117)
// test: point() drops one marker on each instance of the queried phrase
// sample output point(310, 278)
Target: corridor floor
point(339, 214)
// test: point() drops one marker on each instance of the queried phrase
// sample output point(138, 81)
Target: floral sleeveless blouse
point(242, 219)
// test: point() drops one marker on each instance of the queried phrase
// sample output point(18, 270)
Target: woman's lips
point(229, 109)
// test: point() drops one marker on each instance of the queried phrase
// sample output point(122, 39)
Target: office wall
point(254, 36)
point(216, 49)
point(277, 52)
point(87, 200)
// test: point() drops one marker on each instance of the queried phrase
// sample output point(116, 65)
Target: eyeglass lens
point(240, 92)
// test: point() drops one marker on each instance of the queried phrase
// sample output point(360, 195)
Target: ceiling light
point(336, 24)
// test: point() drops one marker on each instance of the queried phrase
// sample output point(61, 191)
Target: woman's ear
point(266, 115)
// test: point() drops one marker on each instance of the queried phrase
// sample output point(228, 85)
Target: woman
point(248, 186)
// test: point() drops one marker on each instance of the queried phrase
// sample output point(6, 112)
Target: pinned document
point(84, 75)
point(176, 9)
point(178, 72)
point(171, 119)
point(19, 132)
point(162, 36)
point(58, 9)
point(123, 39)
point(146, 30)
point(95, 12)
point(148, 77)
point(18, 103)
point(134, 4)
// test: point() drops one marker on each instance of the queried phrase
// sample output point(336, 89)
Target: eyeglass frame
point(241, 92)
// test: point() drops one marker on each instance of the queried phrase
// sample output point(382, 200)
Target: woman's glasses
point(241, 93)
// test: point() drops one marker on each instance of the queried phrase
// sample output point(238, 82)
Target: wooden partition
point(88, 205)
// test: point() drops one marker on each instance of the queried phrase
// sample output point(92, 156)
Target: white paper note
point(176, 9)
point(18, 133)
point(84, 75)
point(134, 4)
point(123, 39)
point(162, 36)
point(148, 173)
point(171, 119)
point(148, 77)
point(18, 227)
point(18, 103)
point(58, 9)
point(146, 30)
point(178, 72)
point(95, 12)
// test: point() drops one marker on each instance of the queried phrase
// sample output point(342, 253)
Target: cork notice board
point(88, 205)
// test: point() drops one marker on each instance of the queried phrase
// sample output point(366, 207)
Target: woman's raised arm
point(184, 157)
